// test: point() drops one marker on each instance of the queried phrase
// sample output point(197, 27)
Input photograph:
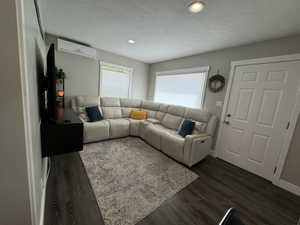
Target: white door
point(259, 108)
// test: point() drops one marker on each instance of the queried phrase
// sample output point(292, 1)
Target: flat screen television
point(47, 88)
point(51, 82)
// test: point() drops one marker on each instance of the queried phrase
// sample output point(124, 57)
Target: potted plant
point(60, 74)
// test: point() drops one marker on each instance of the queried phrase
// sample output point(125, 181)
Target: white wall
point(14, 187)
point(291, 169)
point(220, 60)
point(83, 73)
point(35, 50)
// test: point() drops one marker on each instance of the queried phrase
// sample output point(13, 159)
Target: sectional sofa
point(160, 129)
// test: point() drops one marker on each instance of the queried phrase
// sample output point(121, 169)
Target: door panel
point(259, 109)
point(269, 107)
point(243, 104)
point(258, 148)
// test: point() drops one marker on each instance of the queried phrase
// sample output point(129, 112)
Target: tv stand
point(63, 134)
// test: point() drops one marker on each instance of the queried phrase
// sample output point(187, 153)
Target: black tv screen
point(51, 82)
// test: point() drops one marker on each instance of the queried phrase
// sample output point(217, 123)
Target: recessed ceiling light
point(196, 7)
point(131, 41)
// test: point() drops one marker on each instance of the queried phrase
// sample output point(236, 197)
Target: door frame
point(276, 179)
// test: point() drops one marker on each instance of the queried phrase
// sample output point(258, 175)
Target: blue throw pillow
point(93, 113)
point(187, 128)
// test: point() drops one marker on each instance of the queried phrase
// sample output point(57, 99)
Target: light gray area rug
point(131, 179)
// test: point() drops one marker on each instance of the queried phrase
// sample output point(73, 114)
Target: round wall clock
point(216, 83)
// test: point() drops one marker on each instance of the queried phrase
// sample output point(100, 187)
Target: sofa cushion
point(96, 131)
point(163, 108)
point(126, 112)
point(153, 135)
point(187, 128)
point(150, 113)
point(81, 102)
point(153, 120)
point(165, 130)
point(83, 117)
point(134, 127)
point(197, 114)
point(93, 113)
point(110, 102)
point(143, 125)
point(130, 103)
point(112, 112)
point(173, 145)
point(149, 105)
point(118, 128)
point(176, 110)
point(171, 121)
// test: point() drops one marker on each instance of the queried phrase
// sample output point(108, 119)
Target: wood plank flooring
point(70, 199)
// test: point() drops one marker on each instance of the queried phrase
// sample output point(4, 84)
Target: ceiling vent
point(76, 49)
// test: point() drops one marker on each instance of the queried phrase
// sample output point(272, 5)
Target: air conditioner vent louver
point(76, 49)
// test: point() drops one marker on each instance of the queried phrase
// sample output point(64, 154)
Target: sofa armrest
point(197, 136)
point(83, 118)
point(196, 147)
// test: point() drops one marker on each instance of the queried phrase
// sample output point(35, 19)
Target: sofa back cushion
point(150, 107)
point(172, 122)
point(110, 102)
point(79, 103)
point(202, 117)
point(173, 118)
point(197, 114)
point(163, 109)
point(111, 108)
point(176, 110)
point(112, 112)
point(128, 105)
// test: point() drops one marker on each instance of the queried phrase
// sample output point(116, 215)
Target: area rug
point(131, 179)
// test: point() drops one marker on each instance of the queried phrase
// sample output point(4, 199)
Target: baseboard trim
point(213, 153)
point(43, 201)
point(44, 189)
point(289, 187)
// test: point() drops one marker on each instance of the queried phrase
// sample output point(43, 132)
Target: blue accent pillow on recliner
point(187, 128)
point(93, 113)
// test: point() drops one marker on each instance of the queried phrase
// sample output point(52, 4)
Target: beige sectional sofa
point(160, 129)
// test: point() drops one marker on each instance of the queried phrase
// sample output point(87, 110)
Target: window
point(181, 87)
point(115, 81)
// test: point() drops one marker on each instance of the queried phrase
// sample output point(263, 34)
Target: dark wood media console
point(62, 135)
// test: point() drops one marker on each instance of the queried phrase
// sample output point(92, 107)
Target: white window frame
point(127, 69)
point(203, 69)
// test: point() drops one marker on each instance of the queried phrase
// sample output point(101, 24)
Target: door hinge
point(288, 125)
point(275, 169)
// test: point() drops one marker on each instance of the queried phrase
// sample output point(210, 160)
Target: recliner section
point(160, 129)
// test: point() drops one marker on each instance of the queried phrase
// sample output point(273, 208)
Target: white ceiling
point(164, 29)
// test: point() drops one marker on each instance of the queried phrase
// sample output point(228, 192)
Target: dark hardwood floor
point(70, 199)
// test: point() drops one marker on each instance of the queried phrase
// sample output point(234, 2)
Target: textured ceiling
point(164, 29)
